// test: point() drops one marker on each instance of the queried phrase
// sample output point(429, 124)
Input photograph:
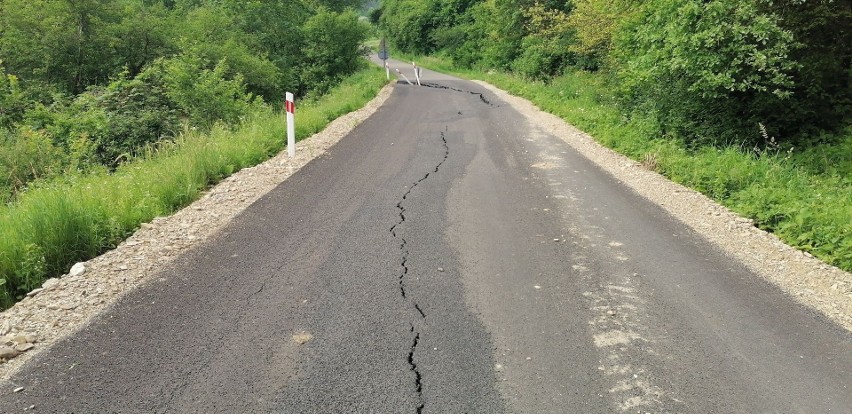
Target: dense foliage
point(726, 71)
point(87, 85)
point(747, 101)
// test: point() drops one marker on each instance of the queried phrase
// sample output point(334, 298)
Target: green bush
point(708, 70)
point(546, 47)
point(822, 94)
point(25, 155)
point(210, 34)
point(13, 102)
point(205, 95)
point(108, 125)
point(139, 113)
point(332, 48)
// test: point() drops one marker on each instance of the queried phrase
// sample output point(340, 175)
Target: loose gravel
point(64, 305)
point(808, 280)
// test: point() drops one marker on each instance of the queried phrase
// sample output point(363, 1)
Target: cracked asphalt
point(448, 257)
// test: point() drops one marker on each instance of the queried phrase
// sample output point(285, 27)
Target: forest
point(710, 71)
point(746, 101)
point(88, 84)
point(114, 112)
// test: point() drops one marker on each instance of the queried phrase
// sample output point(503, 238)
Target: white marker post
point(404, 77)
point(383, 55)
point(290, 107)
point(416, 73)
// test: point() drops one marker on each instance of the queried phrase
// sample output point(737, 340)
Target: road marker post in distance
point(290, 107)
point(416, 73)
point(404, 77)
point(383, 55)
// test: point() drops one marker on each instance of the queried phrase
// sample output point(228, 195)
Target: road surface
point(448, 257)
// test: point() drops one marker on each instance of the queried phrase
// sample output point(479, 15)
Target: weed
point(649, 161)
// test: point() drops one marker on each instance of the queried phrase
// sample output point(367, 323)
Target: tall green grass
point(804, 196)
point(74, 218)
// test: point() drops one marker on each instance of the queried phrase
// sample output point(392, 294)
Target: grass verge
point(74, 218)
point(804, 196)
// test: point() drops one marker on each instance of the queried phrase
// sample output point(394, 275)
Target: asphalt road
point(448, 257)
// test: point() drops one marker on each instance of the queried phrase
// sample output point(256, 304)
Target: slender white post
point(404, 77)
point(290, 106)
point(387, 70)
point(416, 73)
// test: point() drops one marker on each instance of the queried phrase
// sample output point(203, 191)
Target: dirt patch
point(808, 280)
point(64, 305)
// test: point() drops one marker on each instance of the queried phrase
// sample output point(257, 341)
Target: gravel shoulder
point(819, 286)
point(64, 305)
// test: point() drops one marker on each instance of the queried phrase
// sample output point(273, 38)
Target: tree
point(546, 46)
point(596, 23)
point(276, 29)
point(341, 5)
point(332, 48)
point(213, 33)
point(409, 24)
point(65, 42)
point(144, 33)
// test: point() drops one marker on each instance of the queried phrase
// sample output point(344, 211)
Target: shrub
point(139, 113)
point(211, 34)
point(822, 94)
point(25, 155)
point(545, 49)
point(12, 100)
point(596, 23)
point(205, 95)
point(108, 125)
point(707, 69)
point(332, 48)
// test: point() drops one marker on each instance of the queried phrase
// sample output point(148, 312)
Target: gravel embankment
point(808, 280)
point(64, 305)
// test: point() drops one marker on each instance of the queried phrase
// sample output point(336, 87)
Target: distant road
point(448, 257)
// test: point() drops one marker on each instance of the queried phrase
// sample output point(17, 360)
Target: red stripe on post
point(290, 107)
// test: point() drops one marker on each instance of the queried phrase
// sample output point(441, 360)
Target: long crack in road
point(404, 265)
